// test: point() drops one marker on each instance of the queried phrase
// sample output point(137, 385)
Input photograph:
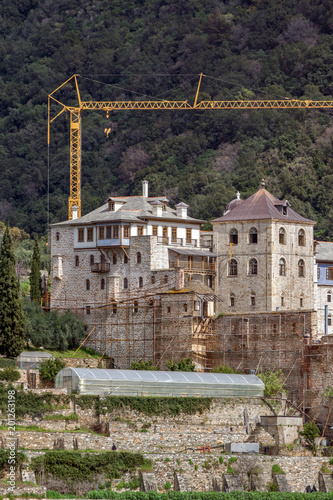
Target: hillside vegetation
point(156, 49)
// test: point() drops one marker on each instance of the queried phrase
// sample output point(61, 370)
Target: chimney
point(157, 208)
point(179, 278)
point(145, 189)
point(182, 210)
point(75, 212)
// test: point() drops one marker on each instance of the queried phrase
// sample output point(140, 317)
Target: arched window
point(329, 320)
point(92, 260)
point(233, 267)
point(329, 296)
point(87, 309)
point(282, 267)
point(136, 306)
point(301, 269)
point(125, 259)
point(114, 259)
point(301, 301)
point(138, 258)
point(282, 300)
point(165, 279)
point(282, 236)
point(232, 300)
point(77, 260)
point(102, 258)
point(233, 236)
point(301, 238)
point(102, 284)
point(253, 299)
point(114, 309)
point(185, 307)
point(253, 266)
point(151, 303)
point(57, 236)
point(153, 279)
point(87, 285)
point(141, 282)
point(253, 236)
point(125, 283)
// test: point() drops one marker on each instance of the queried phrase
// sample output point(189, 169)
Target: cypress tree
point(35, 278)
point(12, 319)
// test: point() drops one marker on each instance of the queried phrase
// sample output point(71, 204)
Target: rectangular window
point(165, 232)
point(329, 273)
point(188, 235)
point(108, 232)
point(174, 234)
point(155, 230)
point(115, 232)
point(81, 235)
point(126, 231)
point(90, 234)
point(140, 230)
point(101, 232)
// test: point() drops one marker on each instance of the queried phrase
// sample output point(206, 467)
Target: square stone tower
point(265, 257)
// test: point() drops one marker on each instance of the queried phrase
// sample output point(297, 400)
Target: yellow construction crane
point(75, 121)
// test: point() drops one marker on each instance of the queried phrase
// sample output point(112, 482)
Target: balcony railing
point(163, 240)
point(100, 267)
point(195, 266)
point(206, 243)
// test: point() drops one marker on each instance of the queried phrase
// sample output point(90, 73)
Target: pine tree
point(35, 278)
point(12, 319)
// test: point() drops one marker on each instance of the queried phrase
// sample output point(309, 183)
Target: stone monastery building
point(265, 254)
point(151, 285)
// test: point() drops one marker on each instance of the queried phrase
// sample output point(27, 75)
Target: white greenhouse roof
point(165, 377)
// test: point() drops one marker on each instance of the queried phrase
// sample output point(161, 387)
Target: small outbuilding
point(158, 383)
point(30, 360)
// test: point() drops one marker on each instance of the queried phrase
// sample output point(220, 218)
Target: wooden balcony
point(100, 267)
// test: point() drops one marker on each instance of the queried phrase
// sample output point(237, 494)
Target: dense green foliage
point(74, 467)
point(4, 457)
point(35, 277)
point(184, 365)
point(28, 402)
point(9, 374)
point(276, 469)
point(12, 320)
point(155, 49)
point(147, 405)
point(274, 382)
point(51, 329)
point(143, 365)
point(224, 369)
point(310, 432)
point(49, 368)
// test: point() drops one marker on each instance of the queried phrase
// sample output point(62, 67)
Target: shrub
point(184, 365)
point(331, 461)
point(224, 369)
point(9, 374)
point(195, 467)
point(232, 459)
point(274, 382)
point(221, 460)
point(272, 486)
point(143, 365)
point(167, 485)
point(230, 470)
point(48, 369)
point(276, 469)
point(310, 433)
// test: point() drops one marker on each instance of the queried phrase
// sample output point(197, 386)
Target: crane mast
point(108, 106)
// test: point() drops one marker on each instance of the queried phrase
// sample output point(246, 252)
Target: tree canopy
point(153, 49)
point(12, 320)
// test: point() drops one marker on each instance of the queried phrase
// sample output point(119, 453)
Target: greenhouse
point(32, 359)
point(158, 383)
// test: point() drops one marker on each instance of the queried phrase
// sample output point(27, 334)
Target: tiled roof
point(135, 209)
point(324, 251)
point(262, 205)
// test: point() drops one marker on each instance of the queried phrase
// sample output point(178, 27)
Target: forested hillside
point(157, 48)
